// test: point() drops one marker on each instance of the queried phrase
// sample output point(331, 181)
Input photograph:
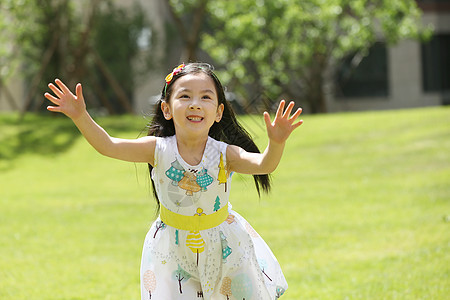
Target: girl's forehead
point(195, 81)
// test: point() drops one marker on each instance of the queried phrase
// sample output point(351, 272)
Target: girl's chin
point(191, 128)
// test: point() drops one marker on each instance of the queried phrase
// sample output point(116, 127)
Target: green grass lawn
point(359, 209)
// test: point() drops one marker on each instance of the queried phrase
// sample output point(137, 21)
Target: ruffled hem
point(230, 261)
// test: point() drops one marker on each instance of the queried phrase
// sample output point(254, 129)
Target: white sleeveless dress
point(229, 261)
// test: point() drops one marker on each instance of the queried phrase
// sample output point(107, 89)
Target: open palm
point(67, 103)
point(283, 124)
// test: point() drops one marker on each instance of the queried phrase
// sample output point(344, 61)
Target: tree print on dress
point(208, 287)
point(194, 240)
point(280, 291)
point(149, 280)
point(217, 204)
point(189, 183)
point(230, 219)
point(250, 230)
point(222, 177)
point(226, 250)
point(159, 225)
point(263, 265)
point(188, 179)
point(225, 289)
point(180, 275)
point(177, 239)
point(179, 199)
point(241, 287)
point(203, 179)
point(175, 172)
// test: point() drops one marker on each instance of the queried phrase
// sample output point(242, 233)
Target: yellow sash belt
point(196, 222)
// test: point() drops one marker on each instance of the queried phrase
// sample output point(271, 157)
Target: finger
point(280, 109)
point(267, 119)
point(55, 90)
point(79, 91)
point(52, 98)
point(296, 125)
point(63, 87)
point(54, 108)
point(295, 115)
point(289, 109)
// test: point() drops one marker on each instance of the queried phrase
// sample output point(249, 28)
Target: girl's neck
point(191, 149)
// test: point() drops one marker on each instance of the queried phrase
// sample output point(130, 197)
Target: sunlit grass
point(359, 208)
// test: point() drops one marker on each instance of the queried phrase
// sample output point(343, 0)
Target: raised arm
point(73, 106)
point(278, 131)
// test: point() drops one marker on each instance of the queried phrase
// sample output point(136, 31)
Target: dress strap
point(199, 221)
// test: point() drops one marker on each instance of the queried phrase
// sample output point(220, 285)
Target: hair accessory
point(175, 71)
point(169, 77)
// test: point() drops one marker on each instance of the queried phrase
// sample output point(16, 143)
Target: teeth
point(195, 118)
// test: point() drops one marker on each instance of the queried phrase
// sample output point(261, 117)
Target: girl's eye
point(206, 97)
point(184, 96)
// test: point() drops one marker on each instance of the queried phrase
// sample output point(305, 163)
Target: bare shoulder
point(241, 161)
point(137, 150)
point(149, 142)
point(149, 139)
point(233, 153)
point(232, 156)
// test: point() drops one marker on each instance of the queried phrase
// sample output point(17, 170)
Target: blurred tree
point(288, 47)
point(73, 41)
point(31, 39)
point(115, 42)
point(188, 17)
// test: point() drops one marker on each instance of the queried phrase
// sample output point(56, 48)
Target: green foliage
point(359, 208)
point(285, 47)
point(115, 37)
point(27, 27)
point(181, 6)
point(180, 274)
point(66, 32)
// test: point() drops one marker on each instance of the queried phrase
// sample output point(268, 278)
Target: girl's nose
point(195, 104)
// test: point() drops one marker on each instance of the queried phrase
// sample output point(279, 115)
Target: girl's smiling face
point(193, 104)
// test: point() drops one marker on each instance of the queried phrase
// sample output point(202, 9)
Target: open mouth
point(194, 118)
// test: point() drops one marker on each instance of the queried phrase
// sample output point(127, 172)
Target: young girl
point(198, 247)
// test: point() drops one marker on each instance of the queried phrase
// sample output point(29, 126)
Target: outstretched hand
point(283, 124)
point(67, 103)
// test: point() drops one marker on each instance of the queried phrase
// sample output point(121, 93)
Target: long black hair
point(228, 130)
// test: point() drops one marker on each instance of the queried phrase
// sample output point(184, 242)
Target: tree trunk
point(316, 99)
point(315, 93)
point(9, 97)
point(78, 70)
point(179, 284)
point(157, 229)
point(190, 34)
point(102, 97)
point(266, 275)
point(117, 88)
point(38, 76)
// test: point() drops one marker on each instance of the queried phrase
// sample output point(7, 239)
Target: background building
point(410, 74)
